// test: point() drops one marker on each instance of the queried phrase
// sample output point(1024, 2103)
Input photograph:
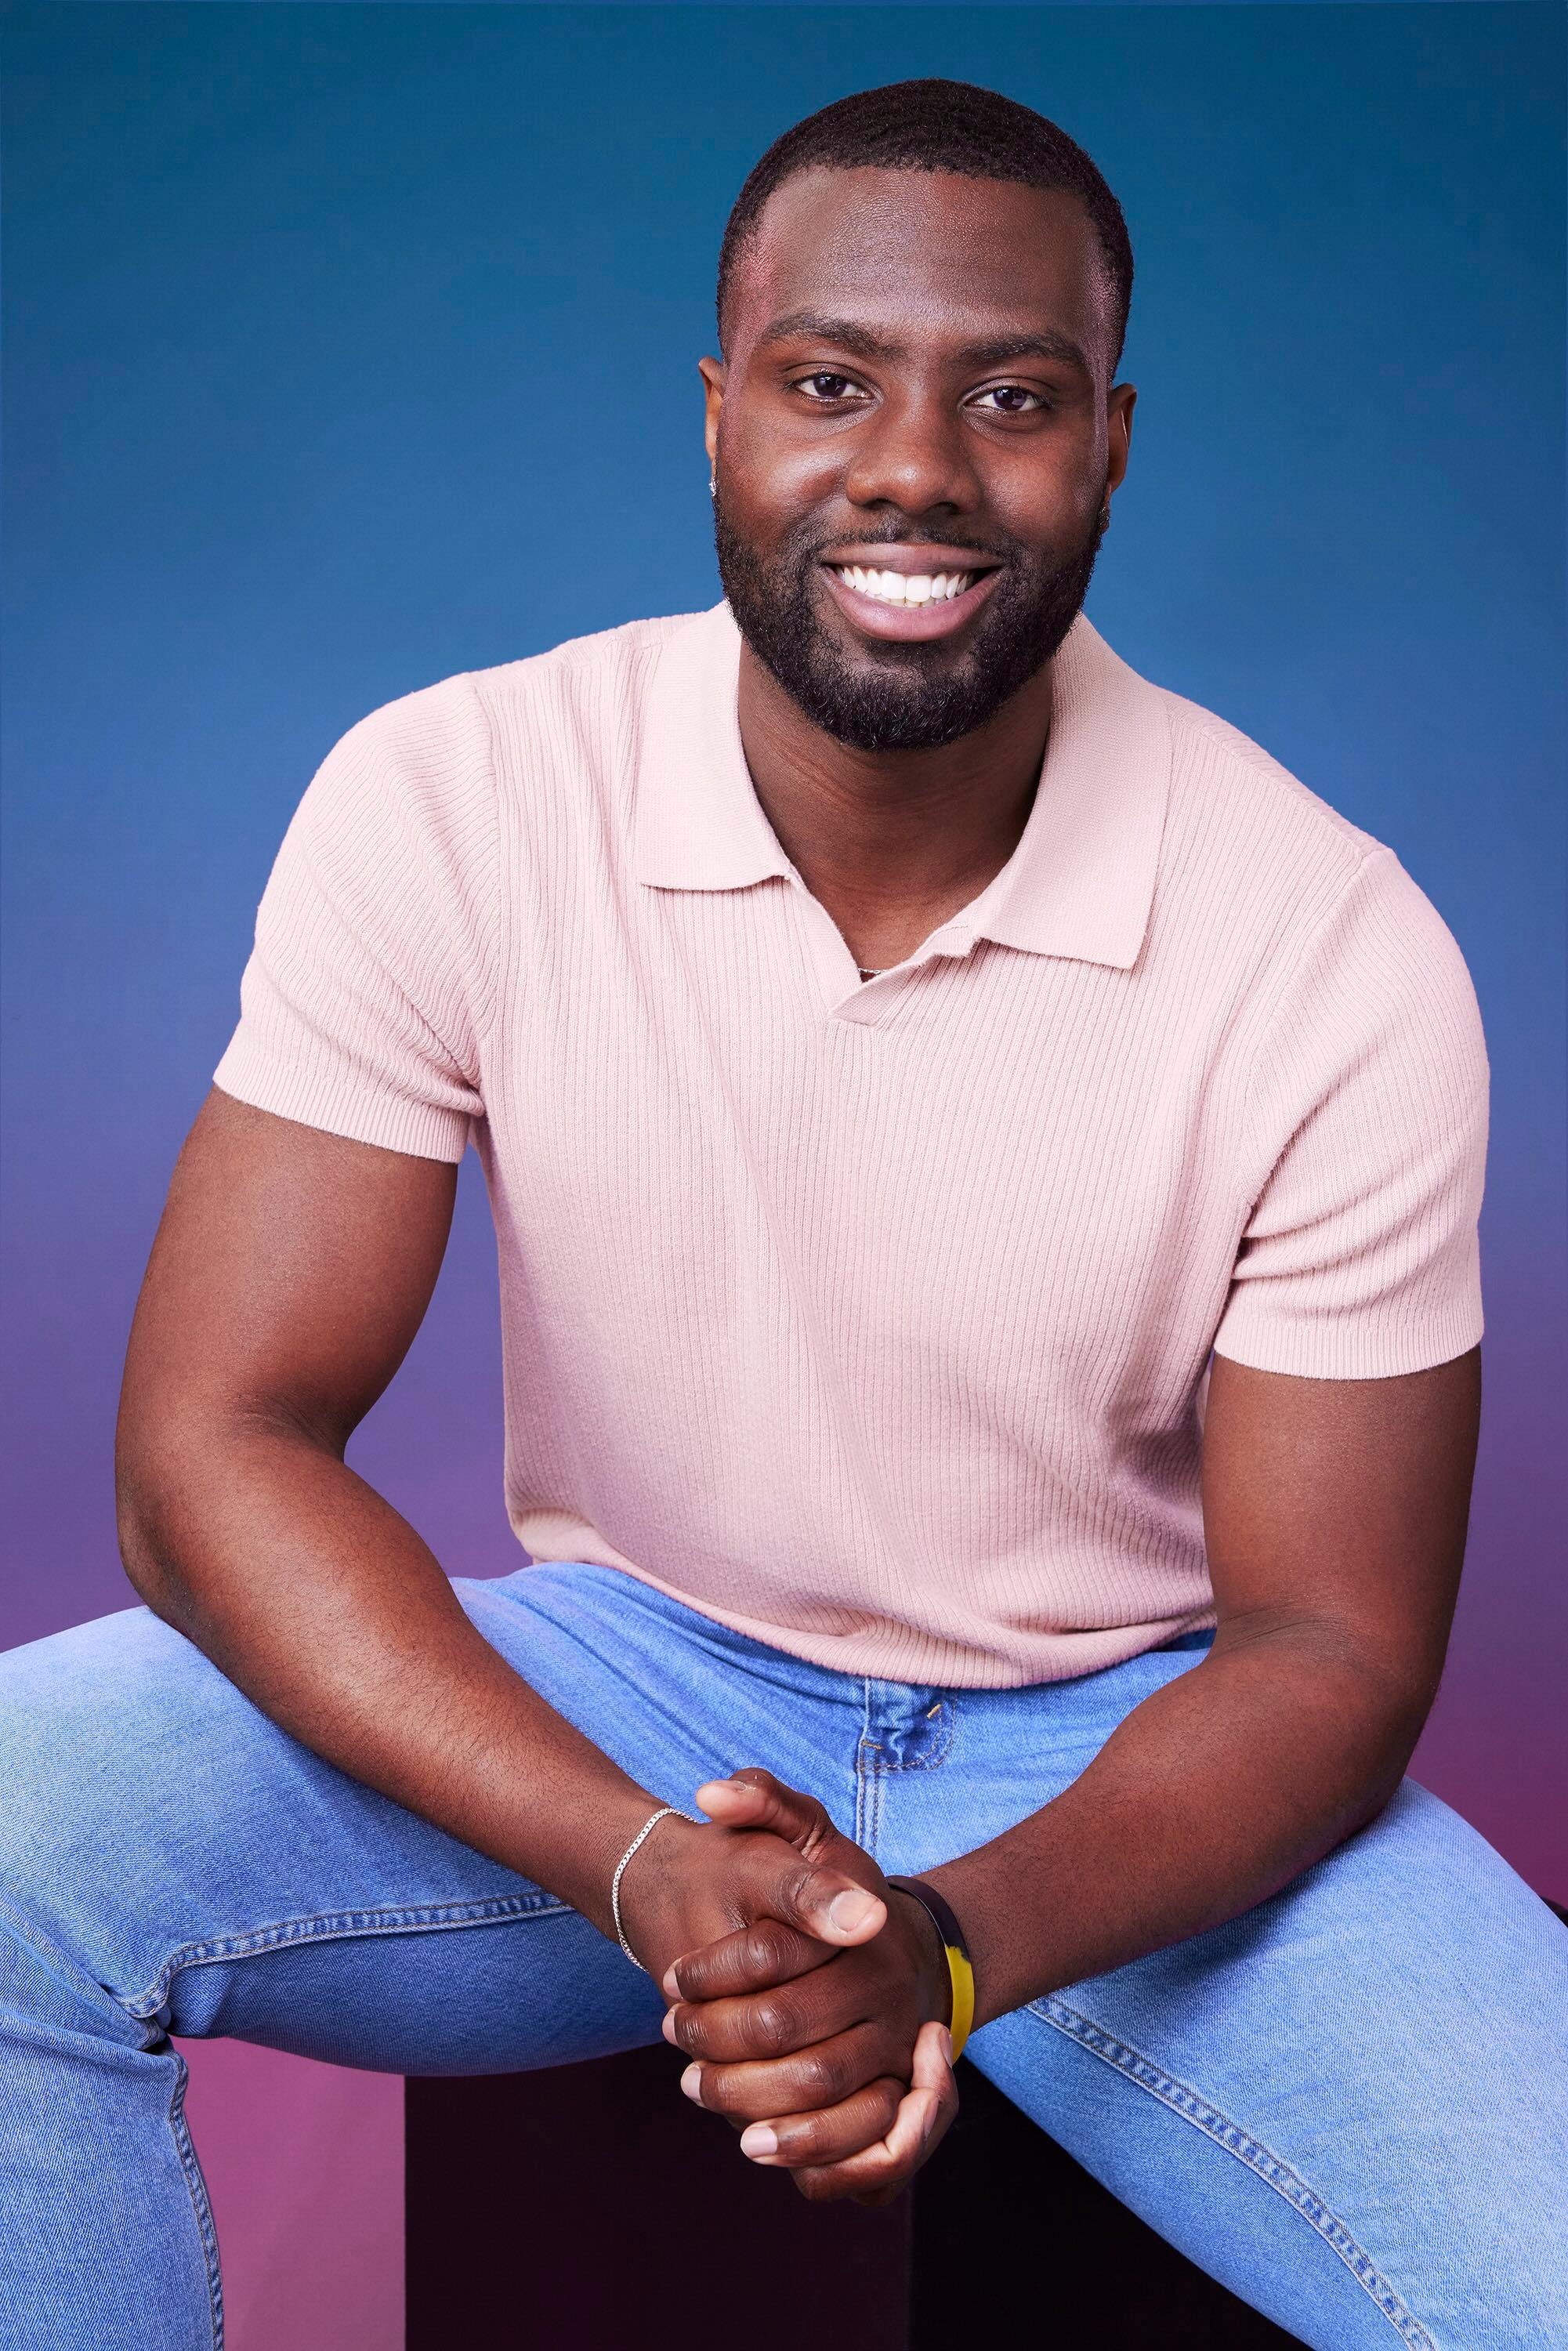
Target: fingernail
point(668, 2026)
point(946, 2044)
point(667, 1983)
point(851, 1909)
point(692, 2084)
point(759, 2139)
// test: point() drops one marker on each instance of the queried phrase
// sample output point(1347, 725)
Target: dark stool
point(590, 2208)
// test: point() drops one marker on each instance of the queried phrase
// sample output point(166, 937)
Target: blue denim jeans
point(1348, 2104)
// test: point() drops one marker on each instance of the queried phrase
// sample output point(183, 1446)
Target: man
point(903, 1046)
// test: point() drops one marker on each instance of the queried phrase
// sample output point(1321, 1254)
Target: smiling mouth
point(903, 586)
point(906, 607)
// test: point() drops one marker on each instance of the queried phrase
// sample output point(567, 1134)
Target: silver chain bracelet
point(652, 1822)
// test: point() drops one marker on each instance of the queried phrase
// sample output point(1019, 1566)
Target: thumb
point(821, 1902)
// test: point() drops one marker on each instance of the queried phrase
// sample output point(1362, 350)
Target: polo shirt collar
point(697, 821)
point(1081, 882)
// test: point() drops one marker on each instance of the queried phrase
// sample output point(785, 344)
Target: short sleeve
point(365, 999)
point(1367, 1126)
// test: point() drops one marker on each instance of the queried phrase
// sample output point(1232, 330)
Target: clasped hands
point(812, 1998)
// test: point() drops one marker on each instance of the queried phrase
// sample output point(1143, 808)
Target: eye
point(825, 384)
point(1010, 400)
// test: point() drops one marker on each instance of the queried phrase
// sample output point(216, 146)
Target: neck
point(892, 842)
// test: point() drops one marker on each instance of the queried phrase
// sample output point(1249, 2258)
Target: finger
point(823, 2075)
point(879, 2174)
point(753, 1799)
point(751, 1960)
point(773, 1881)
point(881, 2171)
point(831, 2134)
point(779, 2021)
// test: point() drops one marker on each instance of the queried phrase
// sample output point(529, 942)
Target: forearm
point(310, 1592)
point(1212, 1793)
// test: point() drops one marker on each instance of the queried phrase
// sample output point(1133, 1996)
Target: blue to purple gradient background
point(348, 347)
point(351, 346)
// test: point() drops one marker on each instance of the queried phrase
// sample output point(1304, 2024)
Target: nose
point(912, 453)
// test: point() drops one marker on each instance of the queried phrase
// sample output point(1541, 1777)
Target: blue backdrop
point(349, 347)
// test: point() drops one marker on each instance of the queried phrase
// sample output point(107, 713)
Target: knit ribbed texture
point(870, 1319)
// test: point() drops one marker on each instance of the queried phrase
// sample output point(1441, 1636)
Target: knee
point(46, 1994)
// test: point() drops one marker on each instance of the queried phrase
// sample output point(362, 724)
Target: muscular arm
point(289, 1275)
point(1336, 1513)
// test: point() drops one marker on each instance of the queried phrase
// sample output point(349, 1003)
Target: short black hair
point(933, 125)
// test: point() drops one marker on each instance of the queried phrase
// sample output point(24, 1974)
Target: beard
point(900, 697)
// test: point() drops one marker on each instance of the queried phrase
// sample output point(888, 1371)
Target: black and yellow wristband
point(960, 1968)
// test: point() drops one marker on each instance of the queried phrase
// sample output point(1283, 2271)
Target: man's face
point(918, 434)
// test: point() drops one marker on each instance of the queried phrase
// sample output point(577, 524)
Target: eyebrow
point(862, 343)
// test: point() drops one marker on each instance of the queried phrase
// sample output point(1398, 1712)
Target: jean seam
point(1248, 2149)
point(874, 1780)
point(863, 1826)
point(330, 1926)
point(201, 2206)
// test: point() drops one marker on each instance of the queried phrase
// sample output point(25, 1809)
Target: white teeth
point(906, 588)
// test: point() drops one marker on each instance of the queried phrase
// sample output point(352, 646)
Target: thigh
point(1348, 2104)
point(171, 1860)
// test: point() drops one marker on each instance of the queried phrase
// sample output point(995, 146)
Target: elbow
point(1360, 1702)
point(1379, 1721)
point(1380, 1788)
point(151, 1484)
point(198, 1479)
point(1399, 1699)
point(149, 1561)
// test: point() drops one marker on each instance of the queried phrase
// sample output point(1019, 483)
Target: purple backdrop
point(351, 346)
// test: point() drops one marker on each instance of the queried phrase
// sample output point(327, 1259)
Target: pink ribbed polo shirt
point(873, 1318)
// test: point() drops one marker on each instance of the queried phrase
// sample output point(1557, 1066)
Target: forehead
point(923, 256)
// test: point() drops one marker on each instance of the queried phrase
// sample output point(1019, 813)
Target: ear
point(713, 372)
point(1119, 419)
